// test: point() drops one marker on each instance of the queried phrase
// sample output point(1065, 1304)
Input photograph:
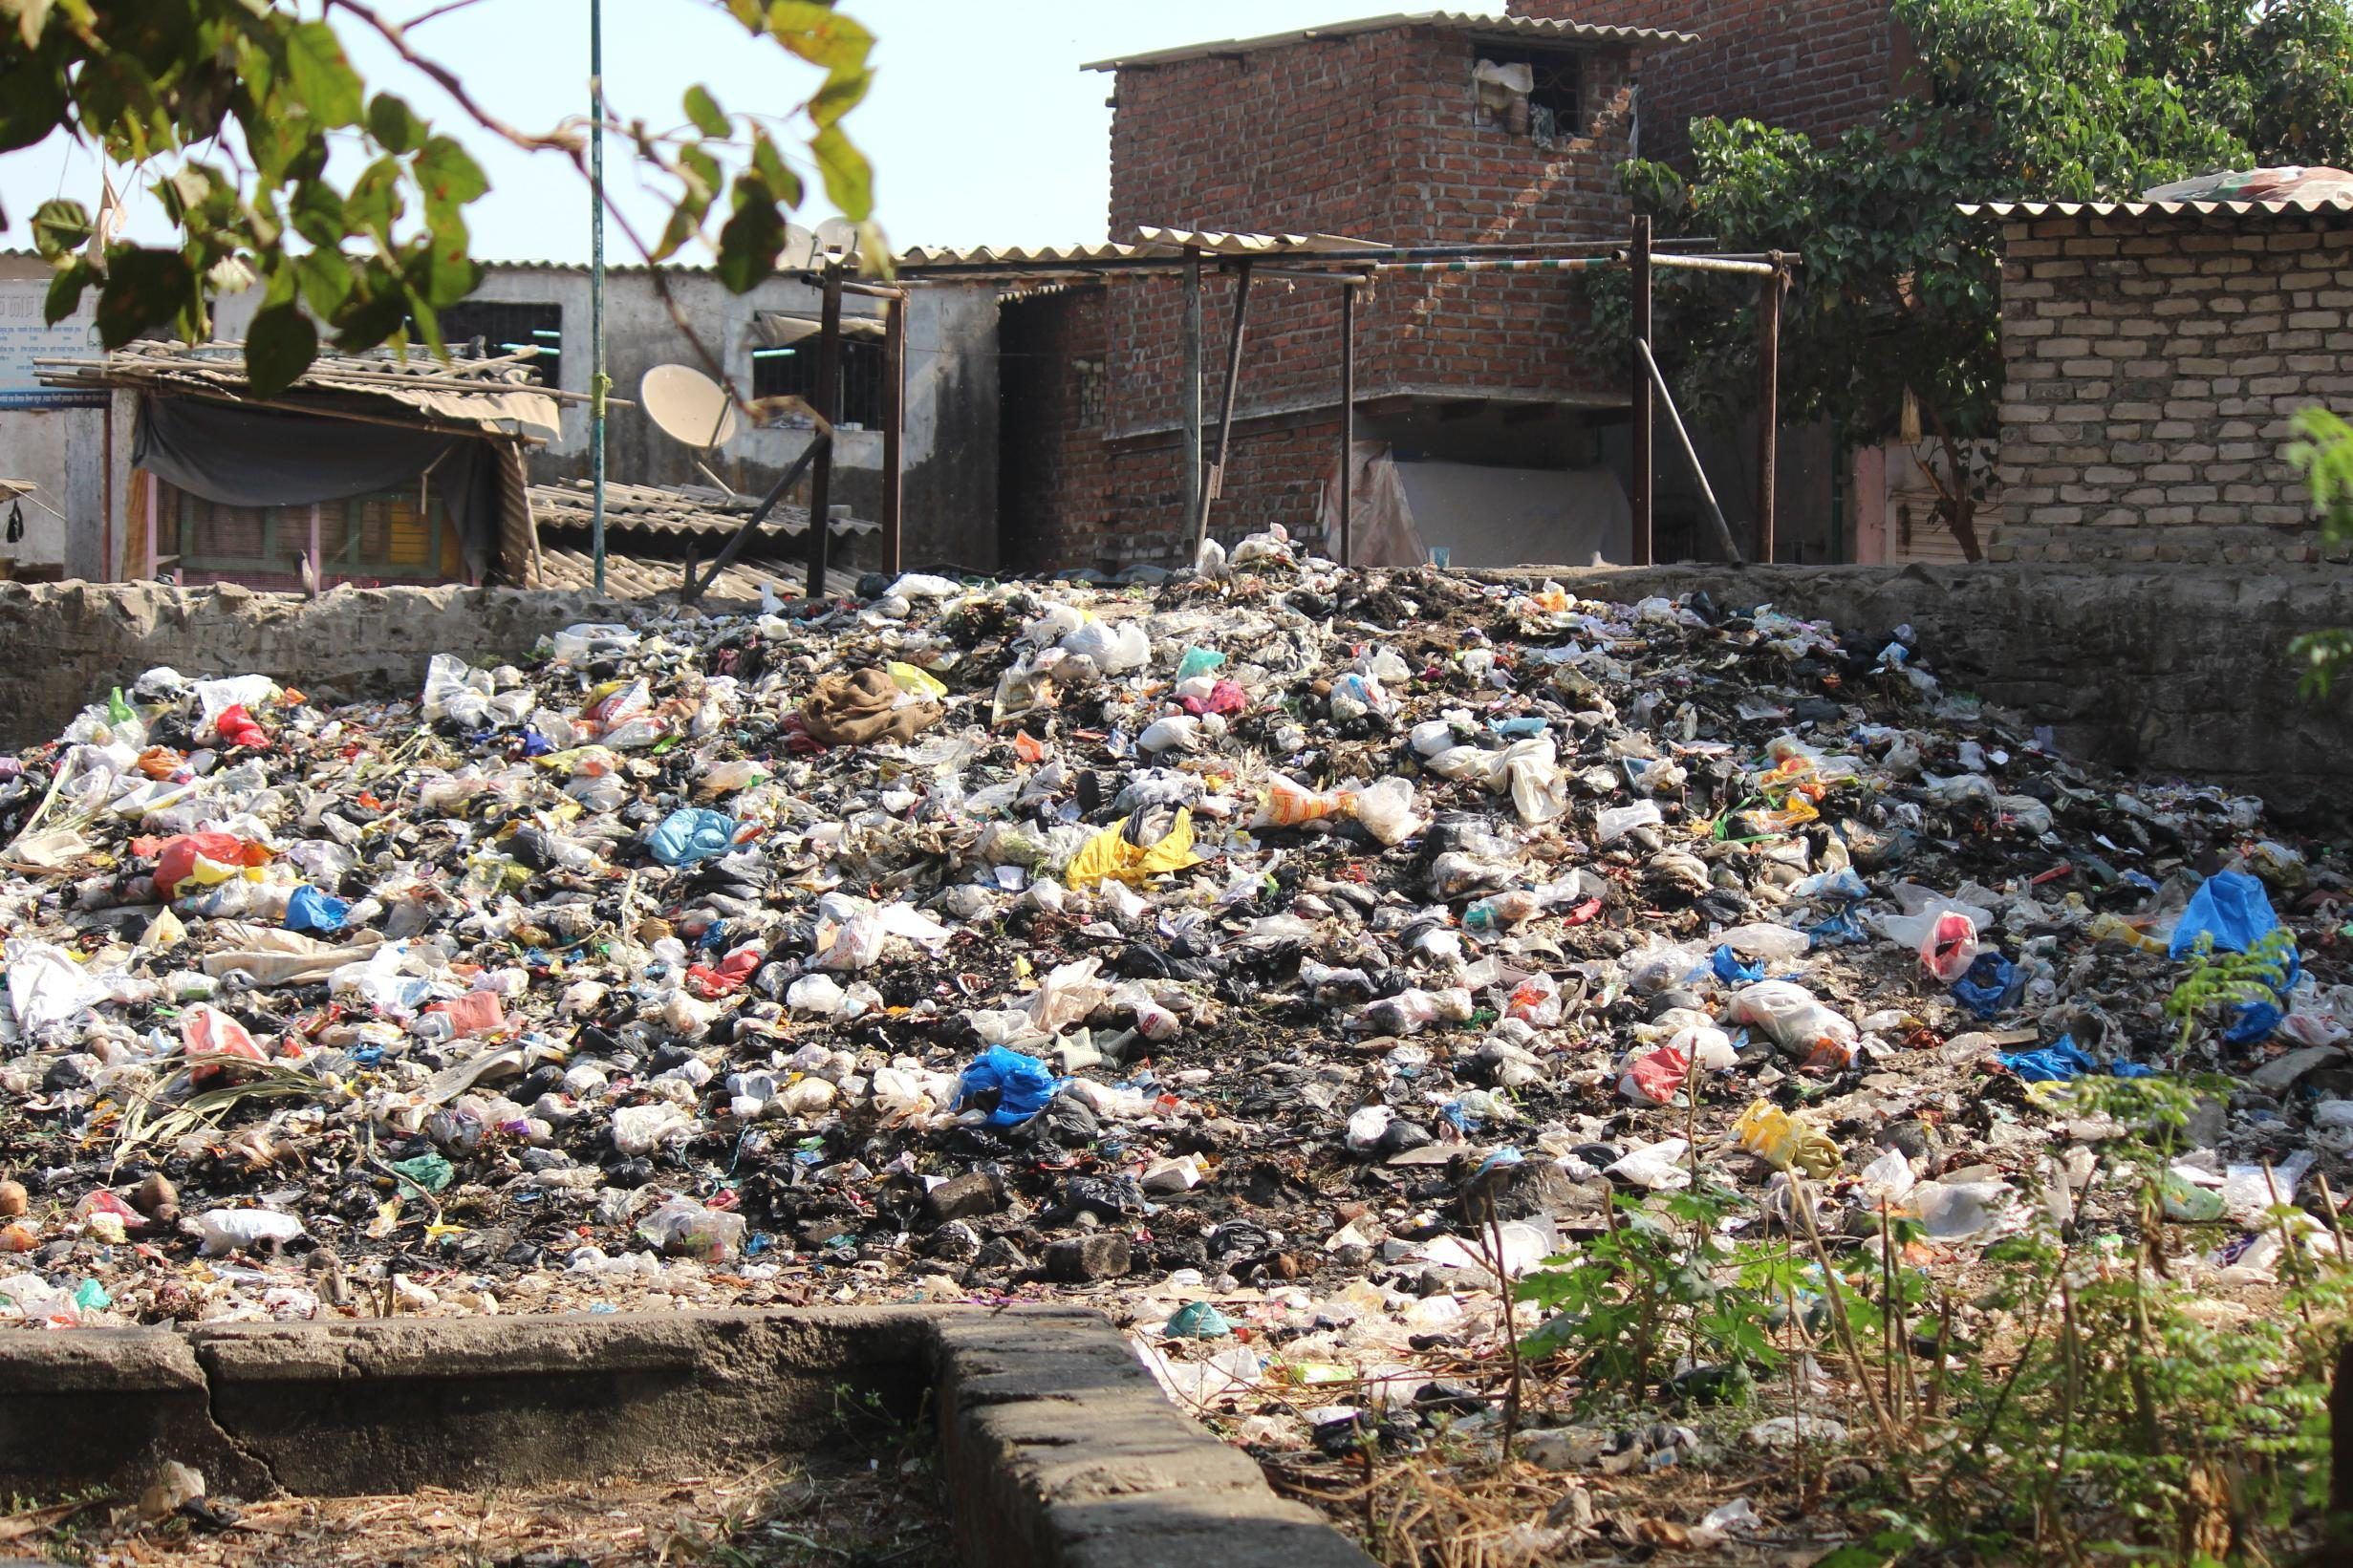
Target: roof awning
point(783, 329)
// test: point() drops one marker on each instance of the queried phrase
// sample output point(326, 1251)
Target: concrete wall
point(57, 439)
point(2154, 364)
point(2176, 669)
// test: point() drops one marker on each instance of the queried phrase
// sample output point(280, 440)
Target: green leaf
point(705, 111)
point(144, 289)
point(443, 271)
point(820, 35)
point(65, 292)
point(448, 173)
point(60, 227)
point(321, 76)
point(843, 92)
point(749, 243)
point(394, 125)
point(373, 204)
point(326, 280)
point(278, 348)
point(318, 214)
point(849, 179)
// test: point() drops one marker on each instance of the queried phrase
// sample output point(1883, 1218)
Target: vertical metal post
point(318, 564)
point(895, 435)
point(828, 403)
point(1189, 395)
point(1347, 421)
point(155, 505)
point(1643, 412)
point(1225, 408)
point(1769, 415)
point(108, 566)
point(596, 287)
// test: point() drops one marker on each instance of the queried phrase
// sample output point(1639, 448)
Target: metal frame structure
point(1345, 264)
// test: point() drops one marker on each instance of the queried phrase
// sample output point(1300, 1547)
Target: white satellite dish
point(687, 406)
point(838, 235)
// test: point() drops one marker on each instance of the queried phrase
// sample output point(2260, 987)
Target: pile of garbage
point(1223, 950)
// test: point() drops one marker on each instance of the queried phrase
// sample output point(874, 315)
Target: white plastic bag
point(234, 1230)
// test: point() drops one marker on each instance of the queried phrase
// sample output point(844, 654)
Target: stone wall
point(2177, 671)
point(2154, 364)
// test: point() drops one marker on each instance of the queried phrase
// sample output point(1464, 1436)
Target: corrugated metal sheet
point(1531, 27)
point(678, 513)
point(638, 577)
point(1150, 244)
point(2143, 209)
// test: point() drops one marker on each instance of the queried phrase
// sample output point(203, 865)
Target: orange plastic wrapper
point(160, 761)
point(1028, 747)
point(475, 1013)
point(1287, 803)
point(206, 1031)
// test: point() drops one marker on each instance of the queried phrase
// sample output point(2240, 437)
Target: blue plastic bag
point(1986, 988)
point(2061, 1059)
point(2233, 908)
point(1730, 970)
point(689, 834)
point(310, 910)
point(1837, 931)
point(1023, 1085)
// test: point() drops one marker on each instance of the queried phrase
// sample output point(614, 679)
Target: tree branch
point(392, 33)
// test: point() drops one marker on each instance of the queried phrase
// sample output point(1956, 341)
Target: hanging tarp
point(240, 456)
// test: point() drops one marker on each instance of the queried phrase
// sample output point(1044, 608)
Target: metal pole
point(1225, 409)
point(1713, 264)
point(1189, 396)
point(1690, 455)
point(894, 436)
point(596, 287)
point(829, 408)
point(1639, 256)
point(1769, 415)
point(1347, 421)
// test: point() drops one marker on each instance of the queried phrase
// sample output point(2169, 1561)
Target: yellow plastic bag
point(1110, 856)
point(916, 682)
point(1780, 1139)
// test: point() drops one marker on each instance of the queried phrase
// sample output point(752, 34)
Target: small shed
point(653, 534)
point(369, 470)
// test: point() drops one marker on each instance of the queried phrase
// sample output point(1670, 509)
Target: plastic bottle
point(1502, 909)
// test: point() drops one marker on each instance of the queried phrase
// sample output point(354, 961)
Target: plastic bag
point(1114, 649)
point(308, 910)
point(1783, 1141)
point(1617, 821)
point(1774, 944)
point(1387, 809)
point(1801, 1025)
point(637, 1130)
point(689, 834)
point(1112, 855)
point(203, 860)
point(1657, 1078)
point(1021, 1084)
point(456, 691)
point(234, 1230)
point(682, 1228)
point(1178, 732)
point(1535, 1001)
point(1950, 947)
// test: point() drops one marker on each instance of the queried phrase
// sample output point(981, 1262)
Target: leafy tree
point(283, 172)
point(2324, 451)
point(1897, 306)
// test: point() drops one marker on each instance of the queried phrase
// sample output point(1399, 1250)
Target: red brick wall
point(1376, 135)
point(1277, 475)
point(1816, 66)
point(1053, 470)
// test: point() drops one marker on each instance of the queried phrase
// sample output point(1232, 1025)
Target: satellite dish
point(838, 235)
point(689, 406)
point(800, 252)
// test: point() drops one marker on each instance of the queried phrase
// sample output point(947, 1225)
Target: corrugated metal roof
point(2142, 209)
point(487, 394)
point(640, 577)
point(1150, 244)
point(673, 512)
point(1532, 28)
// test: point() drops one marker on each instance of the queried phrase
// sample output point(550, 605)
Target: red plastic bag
point(475, 1013)
point(176, 859)
point(1657, 1078)
point(206, 1031)
point(1225, 697)
point(728, 974)
point(1951, 946)
point(236, 728)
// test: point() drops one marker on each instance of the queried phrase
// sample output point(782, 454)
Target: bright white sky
point(982, 127)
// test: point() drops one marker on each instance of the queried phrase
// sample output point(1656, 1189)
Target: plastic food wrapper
point(1785, 1141)
point(1801, 1025)
point(227, 1231)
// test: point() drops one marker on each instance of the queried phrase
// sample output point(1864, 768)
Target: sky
point(982, 127)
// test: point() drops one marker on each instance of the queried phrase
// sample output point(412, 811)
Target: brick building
point(1439, 129)
point(2154, 353)
point(1816, 66)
